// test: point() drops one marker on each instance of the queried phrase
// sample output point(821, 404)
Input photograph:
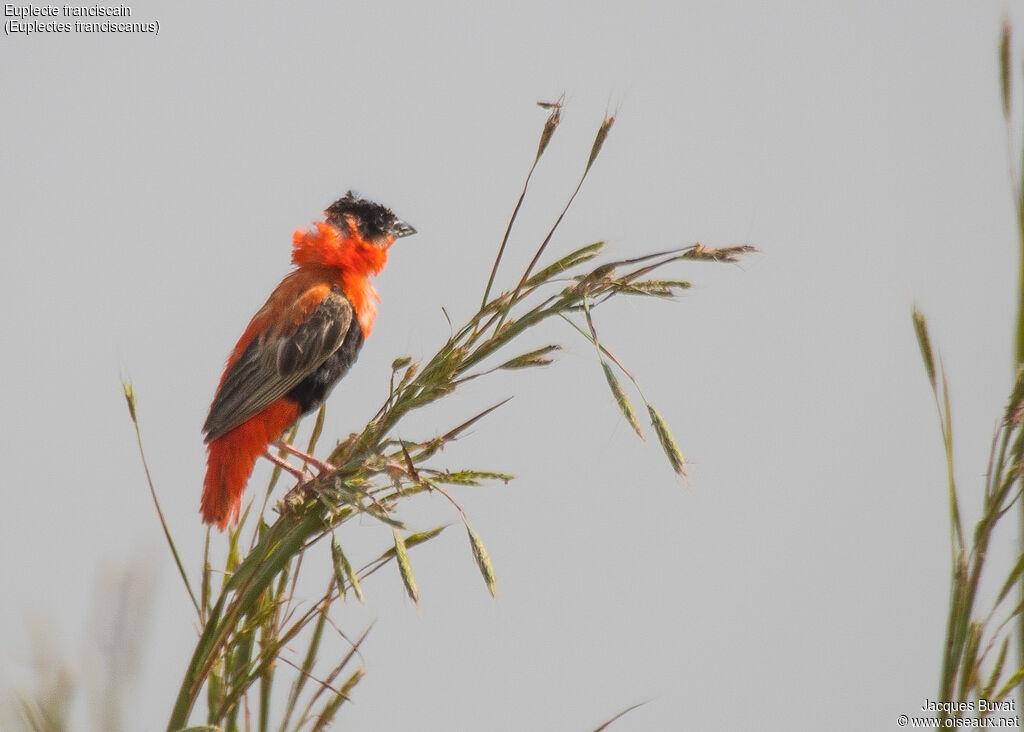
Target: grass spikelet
point(668, 442)
point(924, 342)
point(654, 288)
point(405, 569)
point(483, 562)
point(1004, 67)
point(602, 135)
point(550, 124)
point(531, 359)
point(622, 399)
point(722, 254)
point(343, 571)
point(1015, 407)
point(470, 477)
point(583, 254)
point(129, 395)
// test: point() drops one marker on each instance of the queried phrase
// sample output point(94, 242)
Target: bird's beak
point(400, 229)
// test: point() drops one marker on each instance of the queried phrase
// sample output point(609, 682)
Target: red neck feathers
point(353, 260)
point(327, 247)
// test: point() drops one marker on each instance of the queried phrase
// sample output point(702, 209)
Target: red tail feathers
point(232, 457)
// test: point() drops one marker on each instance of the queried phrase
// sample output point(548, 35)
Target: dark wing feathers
point(270, 367)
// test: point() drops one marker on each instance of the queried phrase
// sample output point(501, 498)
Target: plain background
point(150, 186)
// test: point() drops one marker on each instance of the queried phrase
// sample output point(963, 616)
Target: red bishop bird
point(297, 347)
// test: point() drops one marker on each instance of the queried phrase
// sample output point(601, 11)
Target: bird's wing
point(279, 359)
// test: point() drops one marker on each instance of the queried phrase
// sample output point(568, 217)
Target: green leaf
point(969, 665)
point(1010, 685)
point(331, 707)
point(1011, 580)
point(412, 540)
point(318, 428)
point(350, 684)
point(997, 670)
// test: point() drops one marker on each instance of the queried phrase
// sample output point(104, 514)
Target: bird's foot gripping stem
point(302, 476)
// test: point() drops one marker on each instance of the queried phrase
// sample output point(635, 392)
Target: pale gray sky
point(150, 187)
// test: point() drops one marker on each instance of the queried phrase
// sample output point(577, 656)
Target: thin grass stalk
point(1006, 86)
point(340, 695)
point(309, 660)
point(129, 395)
point(620, 715)
point(331, 708)
point(545, 137)
point(956, 525)
point(595, 149)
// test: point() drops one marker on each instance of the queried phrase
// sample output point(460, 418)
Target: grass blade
point(550, 125)
point(997, 670)
point(129, 396)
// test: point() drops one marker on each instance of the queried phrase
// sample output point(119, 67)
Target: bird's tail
point(232, 456)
